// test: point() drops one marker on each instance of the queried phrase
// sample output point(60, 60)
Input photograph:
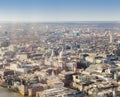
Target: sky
point(59, 10)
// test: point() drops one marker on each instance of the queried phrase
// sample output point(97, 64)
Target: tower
point(61, 59)
point(111, 40)
point(75, 67)
point(51, 58)
point(114, 92)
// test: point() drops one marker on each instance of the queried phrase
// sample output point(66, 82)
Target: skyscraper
point(111, 39)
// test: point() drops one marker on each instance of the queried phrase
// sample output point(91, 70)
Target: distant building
point(36, 88)
point(111, 39)
point(59, 92)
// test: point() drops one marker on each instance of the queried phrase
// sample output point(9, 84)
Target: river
point(8, 93)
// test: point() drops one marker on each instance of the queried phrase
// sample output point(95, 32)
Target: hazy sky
point(59, 10)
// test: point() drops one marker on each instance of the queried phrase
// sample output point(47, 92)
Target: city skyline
point(57, 11)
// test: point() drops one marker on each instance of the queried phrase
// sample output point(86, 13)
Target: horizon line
point(89, 21)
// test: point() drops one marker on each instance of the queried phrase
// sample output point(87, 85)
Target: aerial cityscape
point(65, 48)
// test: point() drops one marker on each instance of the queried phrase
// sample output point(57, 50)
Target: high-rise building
point(111, 39)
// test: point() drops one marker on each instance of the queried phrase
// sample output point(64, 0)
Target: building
point(59, 92)
point(36, 88)
point(111, 39)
